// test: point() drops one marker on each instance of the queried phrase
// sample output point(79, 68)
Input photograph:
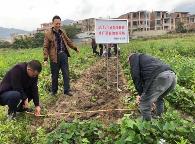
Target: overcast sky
point(29, 14)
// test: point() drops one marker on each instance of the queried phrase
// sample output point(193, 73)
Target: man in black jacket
point(19, 87)
point(94, 46)
point(153, 80)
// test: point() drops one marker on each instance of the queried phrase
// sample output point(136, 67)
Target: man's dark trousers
point(62, 64)
point(12, 99)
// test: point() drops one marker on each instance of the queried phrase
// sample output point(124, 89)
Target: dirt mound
point(90, 93)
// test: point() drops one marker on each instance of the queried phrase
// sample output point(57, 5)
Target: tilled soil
point(90, 93)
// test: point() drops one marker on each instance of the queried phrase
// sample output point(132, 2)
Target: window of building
point(158, 22)
point(134, 15)
point(166, 21)
point(158, 28)
point(146, 22)
point(129, 23)
point(166, 27)
point(192, 20)
point(162, 15)
point(134, 23)
point(158, 14)
point(147, 15)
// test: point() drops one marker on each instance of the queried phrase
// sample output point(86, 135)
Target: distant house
point(192, 22)
point(86, 24)
point(160, 20)
point(157, 20)
point(137, 21)
point(177, 17)
point(44, 27)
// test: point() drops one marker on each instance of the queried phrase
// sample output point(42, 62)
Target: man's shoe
point(156, 117)
point(68, 93)
point(11, 115)
point(29, 110)
point(53, 93)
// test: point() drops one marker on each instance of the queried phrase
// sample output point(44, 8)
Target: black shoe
point(29, 110)
point(68, 93)
point(11, 115)
point(53, 93)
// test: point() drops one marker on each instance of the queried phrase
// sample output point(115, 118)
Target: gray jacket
point(144, 69)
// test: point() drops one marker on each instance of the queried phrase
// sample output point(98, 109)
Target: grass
point(178, 52)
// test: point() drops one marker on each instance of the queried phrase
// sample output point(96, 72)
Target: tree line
point(37, 40)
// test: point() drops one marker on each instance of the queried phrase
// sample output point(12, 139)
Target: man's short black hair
point(35, 65)
point(55, 17)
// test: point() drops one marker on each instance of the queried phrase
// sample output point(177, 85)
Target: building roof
point(181, 12)
point(88, 19)
point(159, 11)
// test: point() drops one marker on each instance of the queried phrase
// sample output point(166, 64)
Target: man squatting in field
point(19, 87)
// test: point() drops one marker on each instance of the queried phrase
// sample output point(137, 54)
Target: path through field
point(90, 93)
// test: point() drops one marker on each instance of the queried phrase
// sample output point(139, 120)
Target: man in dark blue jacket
point(19, 86)
point(153, 80)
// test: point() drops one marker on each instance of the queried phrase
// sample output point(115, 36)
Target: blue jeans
point(159, 88)
point(12, 99)
point(62, 64)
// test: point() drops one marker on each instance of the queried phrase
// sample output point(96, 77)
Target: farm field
point(88, 82)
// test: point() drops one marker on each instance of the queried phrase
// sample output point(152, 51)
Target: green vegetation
point(37, 40)
point(171, 128)
point(179, 54)
point(71, 31)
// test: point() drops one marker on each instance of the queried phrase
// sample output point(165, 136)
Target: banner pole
point(117, 69)
point(107, 66)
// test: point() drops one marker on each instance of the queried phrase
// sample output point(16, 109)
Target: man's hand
point(153, 107)
point(37, 111)
point(138, 98)
point(45, 63)
point(25, 103)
